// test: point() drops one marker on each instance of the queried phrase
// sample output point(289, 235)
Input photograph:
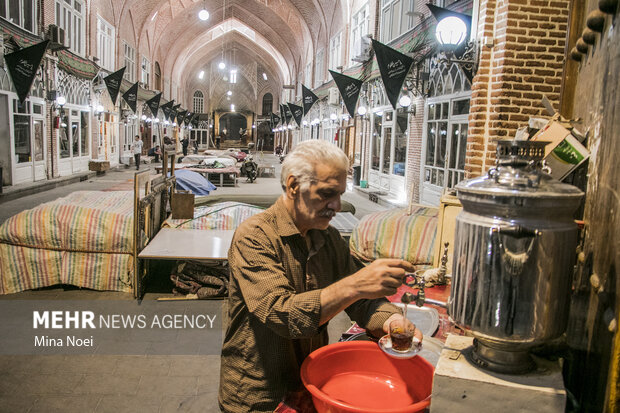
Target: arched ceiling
point(277, 35)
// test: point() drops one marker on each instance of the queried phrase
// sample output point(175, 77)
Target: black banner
point(131, 97)
point(349, 88)
point(282, 114)
point(153, 104)
point(309, 98)
point(113, 82)
point(288, 114)
point(275, 119)
point(174, 113)
point(167, 108)
point(195, 120)
point(181, 116)
point(23, 65)
point(297, 112)
point(188, 118)
point(394, 67)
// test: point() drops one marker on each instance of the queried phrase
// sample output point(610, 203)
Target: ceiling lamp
point(229, 93)
point(362, 110)
point(203, 15)
point(221, 65)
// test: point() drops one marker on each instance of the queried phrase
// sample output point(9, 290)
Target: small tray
point(385, 343)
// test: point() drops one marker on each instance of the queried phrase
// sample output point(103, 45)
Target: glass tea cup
point(401, 335)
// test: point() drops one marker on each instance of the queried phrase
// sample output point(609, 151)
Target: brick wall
point(524, 64)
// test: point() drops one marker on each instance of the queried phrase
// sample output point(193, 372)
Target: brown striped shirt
point(274, 307)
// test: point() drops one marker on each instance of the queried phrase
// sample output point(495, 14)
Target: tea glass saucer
point(385, 343)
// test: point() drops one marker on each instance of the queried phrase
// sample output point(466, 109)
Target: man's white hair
point(302, 160)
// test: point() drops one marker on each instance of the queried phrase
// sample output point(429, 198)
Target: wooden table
point(189, 244)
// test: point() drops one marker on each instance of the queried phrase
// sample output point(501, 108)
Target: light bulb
point(229, 93)
point(143, 117)
point(362, 110)
point(451, 31)
point(60, 100)
point(404, 101)
point(222, 65)
point(333, 116)
point(203, 15)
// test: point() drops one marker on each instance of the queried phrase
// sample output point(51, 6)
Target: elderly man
point(290, 273)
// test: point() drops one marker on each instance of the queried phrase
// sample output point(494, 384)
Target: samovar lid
point(519, 172)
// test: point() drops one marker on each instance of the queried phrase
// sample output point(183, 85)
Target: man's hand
point(381, 278)
point(386, 326)
point(377, 280)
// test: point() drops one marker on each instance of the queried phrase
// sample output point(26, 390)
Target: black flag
point(309, 98)
point(275, 119)
point(394, 67)
point(23, 66)
point(297, 112)
point(349, 88)
point(288, 114)
point(188, 118)
point(131, 96)
point(153, 104)
point(282, 114)
point(181, 116)
point(167, 108)
point(113, 82)
point(174, 112)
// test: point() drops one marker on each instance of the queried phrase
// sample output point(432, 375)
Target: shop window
point(198, 102)
point(22, 13)
point(335, 56)
point(84, 117)
point(157, 76)
point(397, 18)
point(130, 62)
point(446, 126)
point(70, 17)
point(376, 141)
point(145, 76)
point(105, 44)
point(359, 28)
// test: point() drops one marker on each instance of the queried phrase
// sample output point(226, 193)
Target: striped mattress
point(223, 215)
point(84, 239)
point(394, 234)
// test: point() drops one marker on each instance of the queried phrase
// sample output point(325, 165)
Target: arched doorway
point(232, 123)
point(264, 136)
point(267, 104)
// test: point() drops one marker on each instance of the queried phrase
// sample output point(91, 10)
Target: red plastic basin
point(356, 376)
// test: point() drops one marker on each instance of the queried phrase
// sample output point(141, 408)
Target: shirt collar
point(286, 227)
point(283, 219)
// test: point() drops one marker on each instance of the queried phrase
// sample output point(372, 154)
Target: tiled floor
point(121, 383)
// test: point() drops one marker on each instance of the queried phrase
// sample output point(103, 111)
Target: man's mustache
point(327, 213)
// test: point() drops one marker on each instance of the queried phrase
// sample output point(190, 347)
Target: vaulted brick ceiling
point(278, 35)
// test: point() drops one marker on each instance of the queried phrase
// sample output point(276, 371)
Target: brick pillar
point(414, 151)
point(524, 63)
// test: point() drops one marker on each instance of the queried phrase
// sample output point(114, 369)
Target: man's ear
point(292, 187)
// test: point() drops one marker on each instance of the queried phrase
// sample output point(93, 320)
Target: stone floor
point(123, 383)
